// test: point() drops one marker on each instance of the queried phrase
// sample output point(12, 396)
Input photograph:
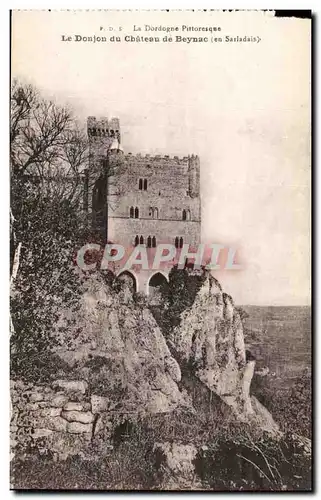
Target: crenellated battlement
point(161, 158)
point(103, 127)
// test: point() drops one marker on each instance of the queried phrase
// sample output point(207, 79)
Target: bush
point(244, 465)
point(176, 296)
point(228, 459)
point(46, 283)
point(291, 408)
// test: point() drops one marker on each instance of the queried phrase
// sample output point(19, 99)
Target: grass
point(231, 460)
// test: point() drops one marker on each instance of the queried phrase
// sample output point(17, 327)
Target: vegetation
point(48, 147)
point(264, 465)
point(291, 408)
point(228, 459)
point(176, 296)
point(48, 152)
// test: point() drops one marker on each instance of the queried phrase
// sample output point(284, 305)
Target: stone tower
point(151, 199)
point(104, 154)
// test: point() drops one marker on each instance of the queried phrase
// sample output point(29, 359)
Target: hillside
point(176, 389)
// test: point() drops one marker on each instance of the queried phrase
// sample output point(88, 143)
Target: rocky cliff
point(116, 345)
point(118, 367)
point(210, 338)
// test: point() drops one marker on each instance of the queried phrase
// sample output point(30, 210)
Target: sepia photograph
point(160, 250)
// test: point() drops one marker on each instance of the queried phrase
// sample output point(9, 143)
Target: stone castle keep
point(140, 200)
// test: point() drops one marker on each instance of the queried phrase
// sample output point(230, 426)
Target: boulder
point(78, 428)
point(178, 458)
point(48, 412)
point(41, 433)
point(100, 404)
point(73, 406)
point(36, 396)
point(57, 424)
point(71, 385)
point(59, 401)
point(78, 416)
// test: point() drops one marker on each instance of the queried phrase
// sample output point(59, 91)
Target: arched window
point(184, 215)
point(131, 212)
point(155, 215)
point(99, 194)
point(145, 184)
point(176, 242)
point(136, 240)
point(188, 214)
point(141, 241)
point(99, 206)
point(140, 184)
point(136, 213)
point(149, 242)
point(157, 280)
point(181, 242)
point(154, 242)
point(128, 279)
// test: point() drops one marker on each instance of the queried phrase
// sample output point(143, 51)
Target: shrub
point(176, 296)
point(291, 408)
point(241, 464)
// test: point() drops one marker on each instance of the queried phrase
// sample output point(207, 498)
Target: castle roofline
point(155, 158)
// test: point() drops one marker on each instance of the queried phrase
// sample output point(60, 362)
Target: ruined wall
point(58, 417)
point(120, 368)
point(63, 417)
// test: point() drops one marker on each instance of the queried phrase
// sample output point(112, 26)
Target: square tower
point(137, 200)
point(104, 150)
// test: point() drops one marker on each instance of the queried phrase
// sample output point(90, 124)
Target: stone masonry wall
point(173, 185)
point(168, 190)
point(62, 418)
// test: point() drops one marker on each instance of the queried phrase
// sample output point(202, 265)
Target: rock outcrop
point(210, 339)
point(178, 462)
point(121, 368)
point(117, 346)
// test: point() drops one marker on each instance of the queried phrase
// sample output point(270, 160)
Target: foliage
point(177, 295)
point(291, 408)
point(228, 459)
point(45, 142)
point(46, 282)
point(47, 154)
point(240, 464)
point(243, 314)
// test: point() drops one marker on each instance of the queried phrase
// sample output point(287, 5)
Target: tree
point(48, 153)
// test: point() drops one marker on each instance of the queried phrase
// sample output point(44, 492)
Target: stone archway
point(155, 282)
point(128, 278)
